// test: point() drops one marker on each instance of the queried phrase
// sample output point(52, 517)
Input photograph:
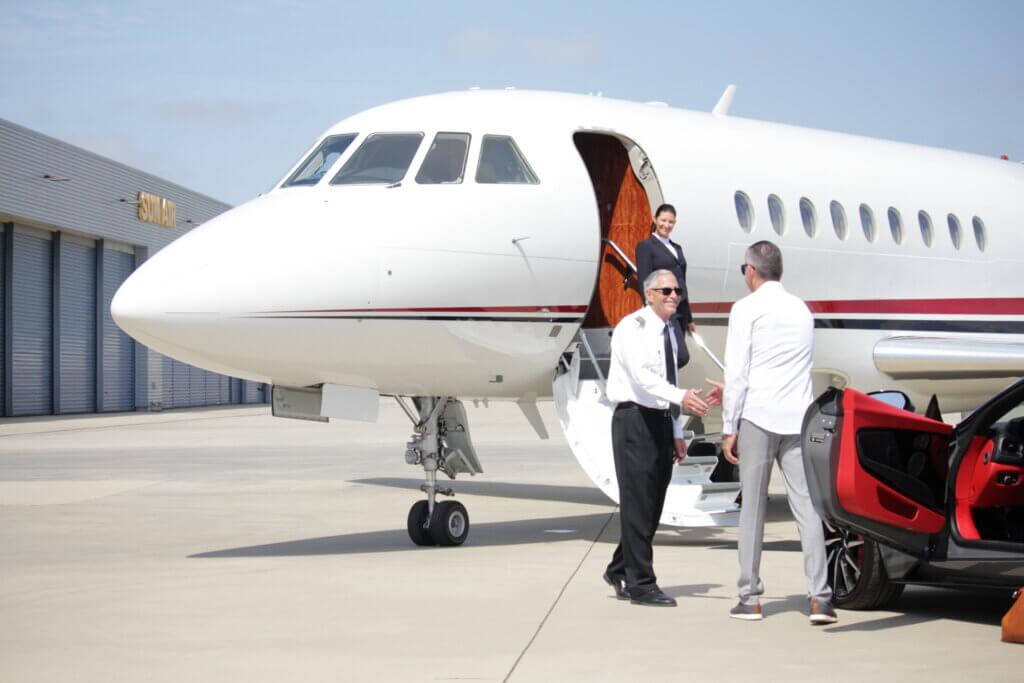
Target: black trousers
point(643, 447)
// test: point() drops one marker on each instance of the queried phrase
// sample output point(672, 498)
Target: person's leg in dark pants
point(617, 567)
point(661, 427)
point(666, 452)
point(640, 474)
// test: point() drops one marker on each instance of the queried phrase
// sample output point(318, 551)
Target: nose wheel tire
point(449, 524)
point(416, 524)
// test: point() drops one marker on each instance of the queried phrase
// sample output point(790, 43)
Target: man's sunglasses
point(665, 291)
point(743, 268)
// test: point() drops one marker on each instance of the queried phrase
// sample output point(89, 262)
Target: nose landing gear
point(440, 442)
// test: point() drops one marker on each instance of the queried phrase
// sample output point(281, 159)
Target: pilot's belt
point(662, 412)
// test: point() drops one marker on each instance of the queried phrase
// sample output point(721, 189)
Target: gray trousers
point(758, 449)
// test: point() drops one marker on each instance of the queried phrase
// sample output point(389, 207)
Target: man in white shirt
point(768, 358)
point(647, 432)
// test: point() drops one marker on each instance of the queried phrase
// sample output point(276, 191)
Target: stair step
point(721, 487)
point(699, 460)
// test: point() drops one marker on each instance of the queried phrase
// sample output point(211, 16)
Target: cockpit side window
point(502, 162)
point(320, 160)
point(383, 158)
point(446, 160)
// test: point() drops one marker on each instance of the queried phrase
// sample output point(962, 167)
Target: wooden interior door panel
point(625, 214)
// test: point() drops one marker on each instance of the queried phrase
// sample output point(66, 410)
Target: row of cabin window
point(809, 218)
point(384, 158)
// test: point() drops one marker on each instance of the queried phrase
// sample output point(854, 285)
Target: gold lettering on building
point(154, 209)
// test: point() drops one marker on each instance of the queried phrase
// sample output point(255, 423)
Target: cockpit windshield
point(445, 162)
point(320, 160)
point(502, 162)
point(383, 158)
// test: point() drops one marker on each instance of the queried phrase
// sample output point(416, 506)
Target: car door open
point(878, 470)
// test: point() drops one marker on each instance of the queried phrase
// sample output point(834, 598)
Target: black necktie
point(670, 366)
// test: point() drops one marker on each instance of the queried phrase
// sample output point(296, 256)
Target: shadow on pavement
point(694, 590)
point(710, 537)
point(777, 510)
point(518, 532)
point(584, 495)
point(922, 603)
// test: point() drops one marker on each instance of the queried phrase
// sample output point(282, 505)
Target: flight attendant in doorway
point(659, 252)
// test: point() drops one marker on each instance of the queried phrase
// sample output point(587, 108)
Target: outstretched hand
point(693, 404)
point(714, 396)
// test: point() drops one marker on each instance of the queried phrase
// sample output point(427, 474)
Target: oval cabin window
point(744, 211)
point(777, 214)
point(808, 217)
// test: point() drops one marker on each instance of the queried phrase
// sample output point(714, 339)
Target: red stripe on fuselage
point(898, 306)
point(464, 309)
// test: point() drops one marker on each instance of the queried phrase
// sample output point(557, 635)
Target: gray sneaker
point(746, 612)
point(822, 612)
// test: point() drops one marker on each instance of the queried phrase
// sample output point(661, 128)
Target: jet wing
point(907, 358)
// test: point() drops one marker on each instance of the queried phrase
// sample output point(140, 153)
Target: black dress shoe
point(619, 584)
point(654, 598)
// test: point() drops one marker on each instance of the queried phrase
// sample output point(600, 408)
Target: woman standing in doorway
point(659, 252)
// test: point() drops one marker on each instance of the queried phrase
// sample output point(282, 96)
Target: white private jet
point(477, 245)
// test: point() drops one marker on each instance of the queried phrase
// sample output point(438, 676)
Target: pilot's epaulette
point(641, 321)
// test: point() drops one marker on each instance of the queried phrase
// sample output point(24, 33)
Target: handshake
point(695, 404)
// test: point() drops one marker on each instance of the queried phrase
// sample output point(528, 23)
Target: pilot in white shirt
point(768, 358)
point(646, 432)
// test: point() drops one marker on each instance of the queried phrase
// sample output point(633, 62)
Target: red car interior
point(985, 487)
point(892, 466)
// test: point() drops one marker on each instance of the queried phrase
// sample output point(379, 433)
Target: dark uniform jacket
point(651, 255)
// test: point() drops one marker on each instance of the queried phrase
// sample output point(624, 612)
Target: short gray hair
point(653, 277)
point(648, 282)
point(766, 259)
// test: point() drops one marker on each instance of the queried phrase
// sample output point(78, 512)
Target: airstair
point(585, 414)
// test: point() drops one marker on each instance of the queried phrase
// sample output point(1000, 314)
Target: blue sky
point(222, 97)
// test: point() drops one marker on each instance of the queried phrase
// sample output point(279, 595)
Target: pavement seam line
point(558, 598)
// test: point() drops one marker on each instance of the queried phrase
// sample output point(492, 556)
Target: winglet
point(724, 102)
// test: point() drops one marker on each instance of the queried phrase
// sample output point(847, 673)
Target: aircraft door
point(876, 469)
point(626, 190)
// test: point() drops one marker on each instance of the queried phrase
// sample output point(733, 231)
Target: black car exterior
point(909, 499)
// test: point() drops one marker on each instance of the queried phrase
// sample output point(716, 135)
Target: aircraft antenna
point(724, 102)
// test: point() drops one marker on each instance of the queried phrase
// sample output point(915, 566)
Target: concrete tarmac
point(224, 544)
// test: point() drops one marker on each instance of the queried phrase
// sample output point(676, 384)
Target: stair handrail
point(593, 357)
point(703, 345)
point(622, 255)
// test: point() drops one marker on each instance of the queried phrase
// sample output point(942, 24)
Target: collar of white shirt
point(668, 244)
point(769, 285)
point(654, 320)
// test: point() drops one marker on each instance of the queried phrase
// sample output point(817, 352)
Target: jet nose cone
point(134, 310)
point(128, 307)
point(171, 281)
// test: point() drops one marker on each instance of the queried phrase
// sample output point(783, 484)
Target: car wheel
point(856, 573)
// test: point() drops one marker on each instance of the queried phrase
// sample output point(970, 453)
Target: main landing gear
point(440, 442)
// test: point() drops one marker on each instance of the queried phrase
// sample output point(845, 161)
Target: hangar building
point(73, 226)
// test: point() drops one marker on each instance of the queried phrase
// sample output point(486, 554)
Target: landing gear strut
point(440, 442)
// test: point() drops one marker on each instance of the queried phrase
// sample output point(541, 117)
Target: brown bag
point(1013, 621)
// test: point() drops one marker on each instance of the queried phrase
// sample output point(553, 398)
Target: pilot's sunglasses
point(743, 268)
point(665, 291)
